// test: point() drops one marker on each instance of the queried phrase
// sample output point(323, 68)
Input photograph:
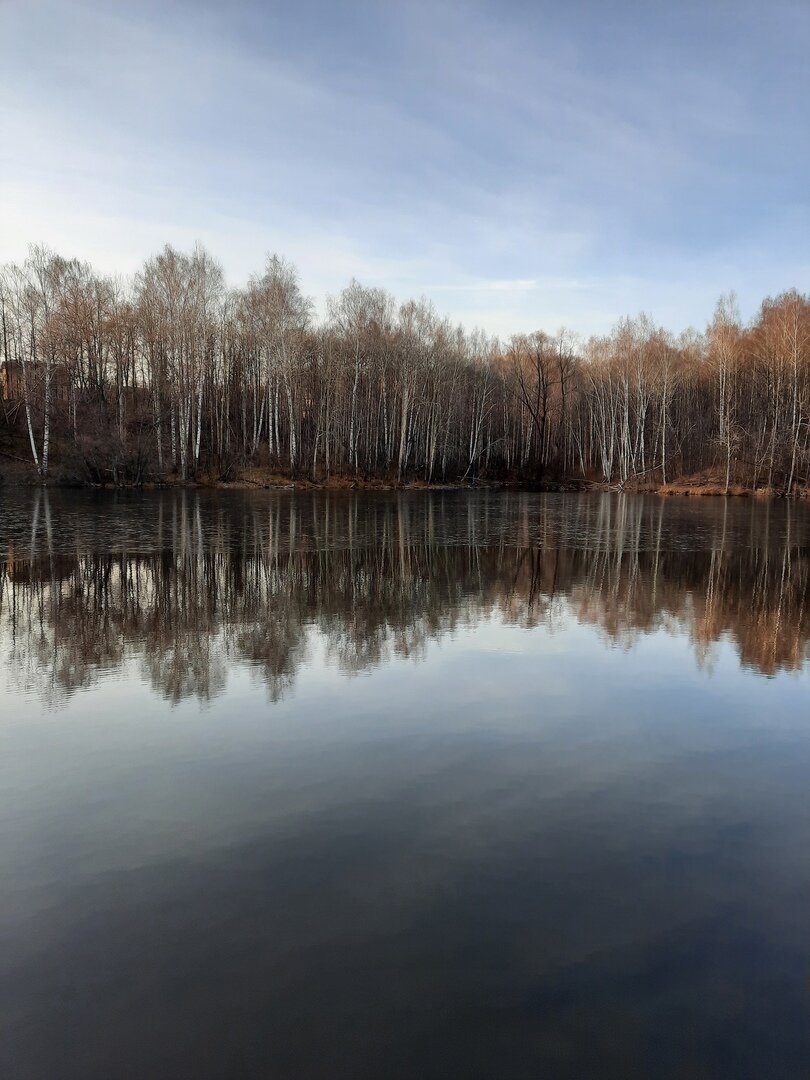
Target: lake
point(422, 784)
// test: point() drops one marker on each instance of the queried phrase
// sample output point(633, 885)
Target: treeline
point(171, 374)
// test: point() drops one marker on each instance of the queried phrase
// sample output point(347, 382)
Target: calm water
point(428, 785)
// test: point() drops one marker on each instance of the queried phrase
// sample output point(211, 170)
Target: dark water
point(429, 785)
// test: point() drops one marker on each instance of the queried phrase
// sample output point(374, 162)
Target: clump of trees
point(172, 374)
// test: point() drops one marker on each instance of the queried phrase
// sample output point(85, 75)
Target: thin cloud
point(538, 163)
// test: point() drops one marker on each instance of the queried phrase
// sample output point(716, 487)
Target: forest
point(171, 376)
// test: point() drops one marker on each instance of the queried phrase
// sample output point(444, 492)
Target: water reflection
point(543, 845)
point(185, 586)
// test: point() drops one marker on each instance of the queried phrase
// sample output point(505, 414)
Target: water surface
point(430, 784)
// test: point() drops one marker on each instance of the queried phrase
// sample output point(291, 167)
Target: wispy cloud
point(522, 165)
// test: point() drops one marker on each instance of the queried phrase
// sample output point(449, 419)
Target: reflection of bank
point(21, 565)
point(18, 570)
point(202, 583)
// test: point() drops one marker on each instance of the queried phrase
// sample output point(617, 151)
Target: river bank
point(16, 473)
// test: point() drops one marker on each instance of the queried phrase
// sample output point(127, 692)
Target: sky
point(523, 165)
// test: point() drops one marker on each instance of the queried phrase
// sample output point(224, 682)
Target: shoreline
point(270, 481)
point(16, 472)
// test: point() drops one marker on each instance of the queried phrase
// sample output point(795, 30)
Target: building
point(10, 380)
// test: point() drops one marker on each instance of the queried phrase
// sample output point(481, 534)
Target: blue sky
point(524, 165)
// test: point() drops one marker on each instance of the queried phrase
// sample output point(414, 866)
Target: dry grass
point(704, 483)
point(706, 487)
point(252, 477)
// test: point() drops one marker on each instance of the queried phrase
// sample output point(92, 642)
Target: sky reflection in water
point(426, 784)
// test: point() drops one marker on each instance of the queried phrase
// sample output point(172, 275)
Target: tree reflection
point(191, 586)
